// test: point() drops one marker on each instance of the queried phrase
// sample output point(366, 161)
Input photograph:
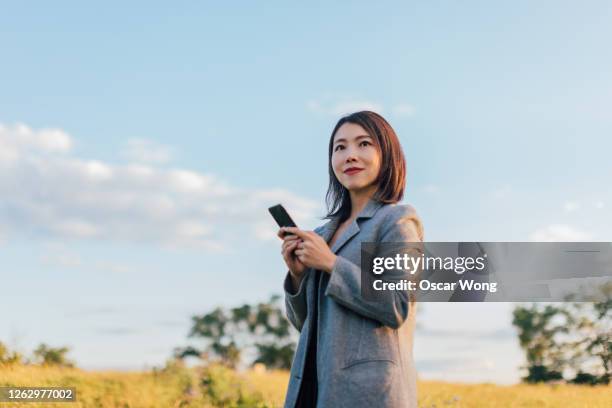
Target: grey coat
point(364, 349)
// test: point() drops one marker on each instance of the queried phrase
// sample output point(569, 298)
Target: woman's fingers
point(282, 233)
point(294, 246)
point(290, 237)
point(286, 244)
point(297, 244)
point(288, 241)
point(289, 246)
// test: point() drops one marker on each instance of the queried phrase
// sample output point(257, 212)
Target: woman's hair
point(391, 179)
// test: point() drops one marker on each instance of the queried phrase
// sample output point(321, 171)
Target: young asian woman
point(352, 351)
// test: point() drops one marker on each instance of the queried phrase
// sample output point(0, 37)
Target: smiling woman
point(364, 141)
point(351, 351)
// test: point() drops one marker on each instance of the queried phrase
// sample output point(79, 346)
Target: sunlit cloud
point(341, 105)
point(59, 255)
point(47, 192)
point(559, 233)
point(570, 206)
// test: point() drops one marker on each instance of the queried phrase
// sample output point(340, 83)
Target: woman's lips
point(352, 171)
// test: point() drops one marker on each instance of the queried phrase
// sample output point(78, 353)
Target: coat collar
point(368, 212)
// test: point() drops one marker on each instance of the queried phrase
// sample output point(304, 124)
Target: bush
point(588, 379)
point(223, 387)
point(9, 358)
point(540, 373)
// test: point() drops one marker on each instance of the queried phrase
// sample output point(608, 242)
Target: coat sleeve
point(295, 301)
point(296, 305)
point(402, 224)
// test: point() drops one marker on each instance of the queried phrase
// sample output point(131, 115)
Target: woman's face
point(353, 148)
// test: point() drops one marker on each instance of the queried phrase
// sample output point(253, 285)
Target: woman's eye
point(363, 143)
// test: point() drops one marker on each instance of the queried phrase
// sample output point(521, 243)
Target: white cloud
point(599, 205)
point(147, 151)
point(189, 181)
point(48, 192)
point(48, 140)
point(559, 233)
point(341, 105)
point(192, 229)
point(54, 140)
point(60, 256)
point(570, 206)
point(265, 231)
point(18, 138)
point(75, 228)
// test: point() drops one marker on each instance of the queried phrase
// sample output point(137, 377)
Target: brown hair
point(391, 179)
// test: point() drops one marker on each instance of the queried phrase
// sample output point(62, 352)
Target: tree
point(572, 338)
point(538, 328)
point(591, 342)
point(275, 356)
point(9, 358)
point(230, 334)
point(52, 356)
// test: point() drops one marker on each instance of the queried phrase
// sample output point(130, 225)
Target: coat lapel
point(368, 212)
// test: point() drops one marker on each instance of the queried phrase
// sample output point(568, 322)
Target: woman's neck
point(359, 199)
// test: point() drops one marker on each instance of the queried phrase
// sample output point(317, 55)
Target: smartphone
point(281, 216)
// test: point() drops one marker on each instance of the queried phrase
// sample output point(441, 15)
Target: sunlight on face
point(354, 148)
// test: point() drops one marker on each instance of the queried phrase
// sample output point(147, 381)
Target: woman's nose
point(350, 155)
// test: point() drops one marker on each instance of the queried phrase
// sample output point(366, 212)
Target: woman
point(352, 352)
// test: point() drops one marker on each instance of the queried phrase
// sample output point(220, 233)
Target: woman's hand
point(312, 250)
point(290, 242)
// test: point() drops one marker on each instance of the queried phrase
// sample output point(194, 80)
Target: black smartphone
point(281, 216)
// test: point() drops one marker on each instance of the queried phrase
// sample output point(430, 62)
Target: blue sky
point(140, 145)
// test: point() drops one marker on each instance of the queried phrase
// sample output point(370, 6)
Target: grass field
point(215, 386)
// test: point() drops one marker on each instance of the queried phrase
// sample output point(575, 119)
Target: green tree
point(9, 358)
point(52, 356)
point(572, 338)
point(229, 334)
point(538, 330)
point(590, 343)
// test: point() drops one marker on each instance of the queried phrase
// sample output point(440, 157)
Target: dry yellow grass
point(179, 386)
point(442, 394)
point(98, 389)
